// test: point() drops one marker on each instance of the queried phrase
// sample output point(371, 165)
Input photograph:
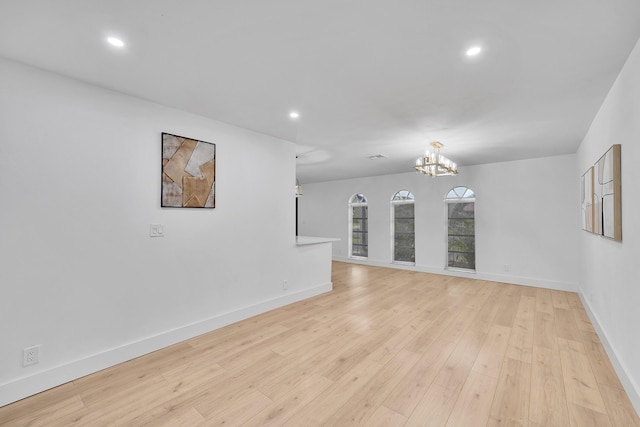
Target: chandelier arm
point(435, 164)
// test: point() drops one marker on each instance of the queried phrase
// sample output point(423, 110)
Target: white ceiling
point(367, 76)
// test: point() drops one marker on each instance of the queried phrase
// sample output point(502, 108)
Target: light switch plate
point(156, 230)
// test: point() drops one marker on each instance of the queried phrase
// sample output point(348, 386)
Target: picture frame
point(586, 200)
point(188, 172)
point(607, 198)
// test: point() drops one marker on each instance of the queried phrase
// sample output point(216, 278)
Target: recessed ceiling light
point(473, 51)
point(115, 41)
point(294, 114)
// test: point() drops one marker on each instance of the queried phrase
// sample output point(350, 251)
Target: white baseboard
point(515, 280)
point(632, 389)
point(20, 388)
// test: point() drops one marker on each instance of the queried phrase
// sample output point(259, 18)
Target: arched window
point(461, 228)
point(358, 226)
point(403, 227)
point(403, 195)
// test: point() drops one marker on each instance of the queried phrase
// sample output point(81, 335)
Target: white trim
point(409, 263)
point(513, 280)
point(20, 388)
point(461, 270)
point(312, 240)
point(632, 389)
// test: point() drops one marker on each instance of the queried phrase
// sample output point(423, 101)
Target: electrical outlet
point(285, 285)
point(506, 267)
point(31, 355)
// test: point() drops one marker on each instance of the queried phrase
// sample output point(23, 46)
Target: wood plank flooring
point(386, 347)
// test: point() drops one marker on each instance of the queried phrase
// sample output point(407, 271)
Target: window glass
point(358, 226)
point(403, 223)
point(358, 198)
point(461, 193)
point(403, 195)
point(461, 247)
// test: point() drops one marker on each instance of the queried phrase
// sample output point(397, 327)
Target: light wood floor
point(386, 347)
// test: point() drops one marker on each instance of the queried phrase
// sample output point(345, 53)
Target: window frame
point(350, 207)
point(468, 196)
point(408, 198)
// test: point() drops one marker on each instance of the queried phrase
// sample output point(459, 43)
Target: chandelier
point(435, 164)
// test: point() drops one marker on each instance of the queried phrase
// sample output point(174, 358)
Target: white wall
point(610, 272)
point(79, 187)
point(526, 218)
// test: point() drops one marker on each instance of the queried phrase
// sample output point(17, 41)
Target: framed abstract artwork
point(188, 172)
point(607, 194)
point(586, 199)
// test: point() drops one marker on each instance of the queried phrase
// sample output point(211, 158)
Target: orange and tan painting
point(188, 172)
